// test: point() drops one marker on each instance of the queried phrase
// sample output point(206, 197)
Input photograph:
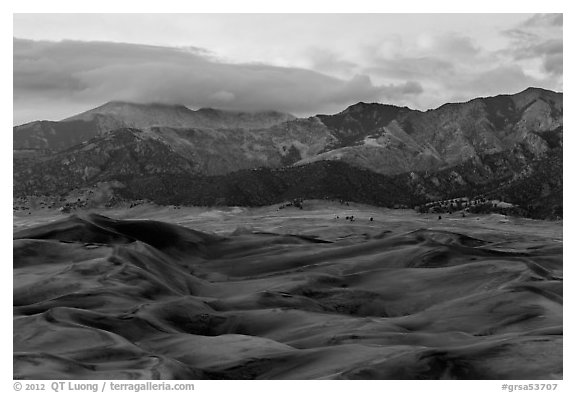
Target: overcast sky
point(299, 63)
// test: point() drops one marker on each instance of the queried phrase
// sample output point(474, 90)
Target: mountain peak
point(534, 93)
point(133, 104)
point(363, 106)
point(124, 114)
point(130, 111)
point(537, 90)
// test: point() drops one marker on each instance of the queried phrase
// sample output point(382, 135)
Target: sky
point(304, 64)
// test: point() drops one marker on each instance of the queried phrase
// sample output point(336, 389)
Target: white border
point(302, 6)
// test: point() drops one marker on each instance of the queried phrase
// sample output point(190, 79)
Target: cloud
point(453, 45)
point(422, 70)
point(544, 20)
point(551, 54)
point(538, 38)
point(419, 68)
point(453, 67)
point(553, 64)
point(494, 81)
point(325, 60)
point(410, 87)
point(519, 34)
point(96, 72)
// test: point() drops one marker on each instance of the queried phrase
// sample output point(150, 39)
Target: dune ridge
point(97, 297)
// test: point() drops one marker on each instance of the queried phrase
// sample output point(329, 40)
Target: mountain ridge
point(519, 130)
point(114, 106)
point(59, 135)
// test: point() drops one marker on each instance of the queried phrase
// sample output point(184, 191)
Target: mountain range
point(487, 145)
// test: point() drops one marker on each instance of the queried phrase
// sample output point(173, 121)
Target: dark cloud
point(544, 20)
point(552, 56)
point(554, 64)
point(538, 38)
point(519, 34)
point(410, 87)
point(95, 72)
point(549, 53)
point(539, 49)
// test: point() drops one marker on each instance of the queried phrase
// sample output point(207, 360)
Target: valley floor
point(269, 293)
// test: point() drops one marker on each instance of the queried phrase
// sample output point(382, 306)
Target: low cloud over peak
point(87, 73)
point(223, 62)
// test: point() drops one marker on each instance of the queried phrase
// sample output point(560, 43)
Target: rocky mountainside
point(383, 138)
point(121, 153)
point(390, 140)
point(533, 184)
point(384, 155)
point(146, 168)
point(59, 135)
point(218, 152)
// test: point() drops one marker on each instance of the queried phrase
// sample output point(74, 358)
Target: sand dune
point(260, 293)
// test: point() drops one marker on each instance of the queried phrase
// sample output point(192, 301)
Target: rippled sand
point(286, 294)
